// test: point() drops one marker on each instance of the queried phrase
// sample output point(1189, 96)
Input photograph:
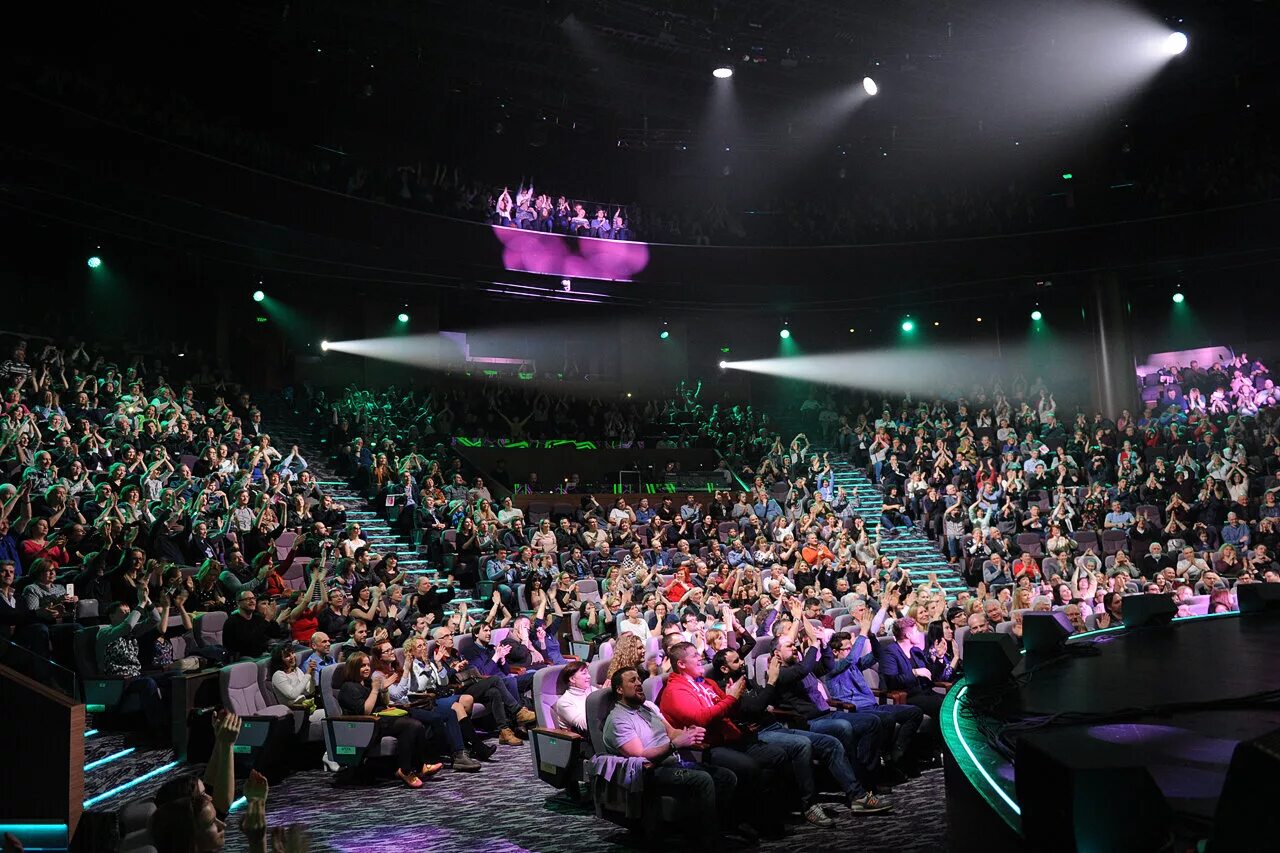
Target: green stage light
point(664, 334)
point(1066, 176)
point(908, 326)
point(258, 296)
point(94, 262)
point(1178, 298)
point(403, 317)
point(785, 334)
point(1037, 316)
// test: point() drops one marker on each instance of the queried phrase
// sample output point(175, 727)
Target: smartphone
point(71, 589)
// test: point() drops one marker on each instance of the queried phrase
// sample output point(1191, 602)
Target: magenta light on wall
point(571, 257)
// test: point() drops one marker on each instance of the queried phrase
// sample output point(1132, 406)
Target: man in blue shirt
point(1234, 532)
point(499, 570)
point(1118, 518)
point(843, 660)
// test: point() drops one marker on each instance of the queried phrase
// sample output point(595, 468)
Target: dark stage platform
point(1135, 690)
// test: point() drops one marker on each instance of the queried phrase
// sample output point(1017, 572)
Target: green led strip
point(954, 733)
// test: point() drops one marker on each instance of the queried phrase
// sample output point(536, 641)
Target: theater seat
point(348, 740)
point(557, 753)
point(655, 809)
point(242, 694)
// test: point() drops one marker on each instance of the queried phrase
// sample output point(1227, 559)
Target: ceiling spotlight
point(1175, 43)
point(258, 296)
point(324, 345)
point(403, 317)
point(785, 334)
point(1036, 315)
point(723, 365)
point(1178, 298)
point(869, 86)
point(664, 334)
point(724, 72)
point(979, 319)
point(908, 326)
point(95, 262)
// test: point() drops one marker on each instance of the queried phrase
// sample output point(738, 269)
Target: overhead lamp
point(869, 86)
point(724, 72)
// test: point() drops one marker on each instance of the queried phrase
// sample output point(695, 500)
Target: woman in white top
point(348, 547)
point(634, 623)
point(570, 710)
point(294, 686)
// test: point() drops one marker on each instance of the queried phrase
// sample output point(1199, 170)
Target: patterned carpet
point(504, 809)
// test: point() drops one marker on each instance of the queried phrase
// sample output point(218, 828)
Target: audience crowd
point(1204, 176)
point(1242, 386)
point(137, 500)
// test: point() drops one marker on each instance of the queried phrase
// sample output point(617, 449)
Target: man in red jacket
point(689, 699)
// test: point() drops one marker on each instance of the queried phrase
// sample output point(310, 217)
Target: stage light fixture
point(869, 86)
point(908, 326)
point(258, 296)
point(664, 334)
point(724, 72)
point(403, 317)
point(723, 365)
point(785, 334)
point(324, 345)
point(1178, 298)
point(1037, 316)
point(94, 262)
point(1175, 43)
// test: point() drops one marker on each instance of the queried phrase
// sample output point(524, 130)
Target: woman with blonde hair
point(628, 652)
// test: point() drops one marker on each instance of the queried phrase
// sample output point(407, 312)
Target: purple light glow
point(1185, 744)
point(570, 257)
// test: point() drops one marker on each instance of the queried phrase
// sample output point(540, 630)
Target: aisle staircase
point(915, 552)
point(290, 429)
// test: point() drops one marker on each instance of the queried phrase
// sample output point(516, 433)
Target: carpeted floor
point(505, 808)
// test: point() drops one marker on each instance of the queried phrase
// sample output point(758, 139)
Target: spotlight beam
point(891, 371)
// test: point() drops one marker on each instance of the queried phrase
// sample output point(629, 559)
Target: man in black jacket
point(752, 712)
point(248, 631)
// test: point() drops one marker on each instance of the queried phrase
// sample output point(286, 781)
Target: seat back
point(500, 634)
point(1050, 566)
point(465, 644)
point(605, 652)
point(597, 668)
point(208, 627)
point(961, 633)
point(1086, 539)
point(599, 704)
point(1114, 540)
point(264, 683)
point(546, 690)
point(844, 623)
point(588, 589)
point(759, 670)
point(238, 684)
point(653, 687)
point(329, 691)
point(85, 651)
point(284, 544)
point(763, 647)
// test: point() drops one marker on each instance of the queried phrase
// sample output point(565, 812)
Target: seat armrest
point(560, 733)
point(517, 670)
point(841, 705)
point(354, 718)
point(891, 697)
point(785, 713)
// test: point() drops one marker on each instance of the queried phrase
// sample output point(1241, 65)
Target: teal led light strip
point(955, 721)
point(91, 733)
point(132, 783)
point(238, 803)
point(94, 765)
point(38, 836)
